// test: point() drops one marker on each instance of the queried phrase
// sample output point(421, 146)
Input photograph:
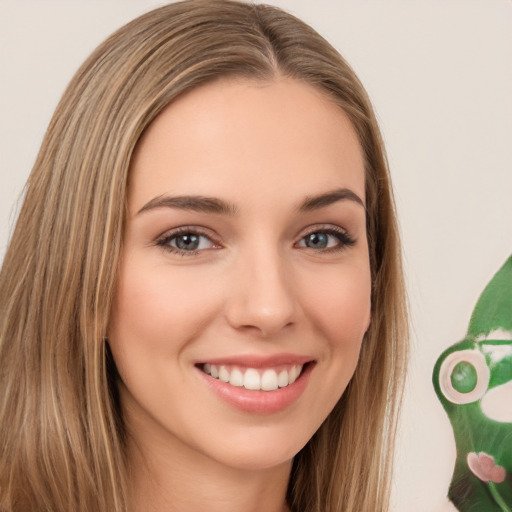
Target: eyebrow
point(207, 204)
point(328, 198)
point(195, 203)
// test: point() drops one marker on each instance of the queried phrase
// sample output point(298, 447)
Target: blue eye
point(326, 239)
point(318, 241)
point(185, 242)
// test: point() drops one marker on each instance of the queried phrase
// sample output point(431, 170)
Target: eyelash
point(344, 239)
point(165, 239)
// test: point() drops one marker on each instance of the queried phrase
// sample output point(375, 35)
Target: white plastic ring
point(477, 360)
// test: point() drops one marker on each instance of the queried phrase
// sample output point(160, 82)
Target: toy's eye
point(464, 376)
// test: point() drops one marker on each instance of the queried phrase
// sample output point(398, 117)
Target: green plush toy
point(465, 376)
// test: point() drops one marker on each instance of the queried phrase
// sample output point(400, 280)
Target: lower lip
point(259, 402)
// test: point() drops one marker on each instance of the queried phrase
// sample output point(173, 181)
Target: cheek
point(341, 304)
point(159, 310)
point(339, 313)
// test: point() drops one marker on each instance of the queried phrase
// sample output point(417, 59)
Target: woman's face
point(245, 260)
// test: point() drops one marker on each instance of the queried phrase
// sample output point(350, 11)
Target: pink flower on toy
point(483, 466)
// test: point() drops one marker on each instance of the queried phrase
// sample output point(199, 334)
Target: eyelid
point(344, 237)
point(163, 240)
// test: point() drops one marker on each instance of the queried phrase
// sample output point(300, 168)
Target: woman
point(206, 250)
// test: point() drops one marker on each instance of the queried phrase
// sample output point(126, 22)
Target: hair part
point(62, 443)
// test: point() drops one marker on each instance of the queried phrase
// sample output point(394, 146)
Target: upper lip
point(260, 361)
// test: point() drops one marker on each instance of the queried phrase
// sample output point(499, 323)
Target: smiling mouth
point(255, 379)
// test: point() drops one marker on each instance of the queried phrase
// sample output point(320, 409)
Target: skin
point(253, 287)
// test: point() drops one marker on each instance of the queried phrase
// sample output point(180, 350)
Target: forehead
point(257, 136)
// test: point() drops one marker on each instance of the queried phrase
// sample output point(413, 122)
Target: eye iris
point(187, 242)
point(464, 377)
point(317, 240)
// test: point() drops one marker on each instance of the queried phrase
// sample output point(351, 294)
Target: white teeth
point(252, 379)
point(223, 374)
point(294, 373)
point(282, 379)
point(269, 380)
point(266, 380)
point(236, 378)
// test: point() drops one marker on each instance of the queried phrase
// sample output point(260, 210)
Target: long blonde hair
point(62, 439)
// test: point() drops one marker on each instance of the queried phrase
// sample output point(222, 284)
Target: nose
point(262, 297)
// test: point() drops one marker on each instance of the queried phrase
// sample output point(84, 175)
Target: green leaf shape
point(493, 310)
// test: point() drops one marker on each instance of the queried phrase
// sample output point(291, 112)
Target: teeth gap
point(254, 379)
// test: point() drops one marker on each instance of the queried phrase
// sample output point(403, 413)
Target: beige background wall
point(440, 77)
